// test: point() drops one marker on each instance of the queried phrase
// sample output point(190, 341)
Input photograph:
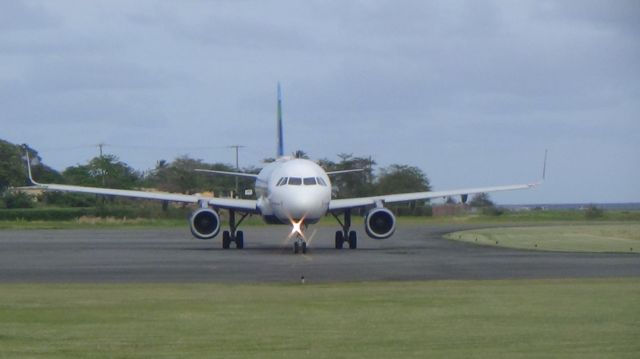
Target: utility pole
point(102, 171)
point(237, 147)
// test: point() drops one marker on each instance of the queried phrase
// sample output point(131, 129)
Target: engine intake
point(204, 223)
point(380, 223)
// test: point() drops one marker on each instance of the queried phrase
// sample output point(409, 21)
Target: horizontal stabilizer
point(345, 171)
point(239, 174)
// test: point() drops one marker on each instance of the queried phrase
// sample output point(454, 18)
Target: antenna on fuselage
point(280, 136)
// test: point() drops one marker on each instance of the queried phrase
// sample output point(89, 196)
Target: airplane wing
point(243, 205)
point(339, 204)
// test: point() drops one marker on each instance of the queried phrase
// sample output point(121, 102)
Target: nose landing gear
point(297, 230)
point(299, 245)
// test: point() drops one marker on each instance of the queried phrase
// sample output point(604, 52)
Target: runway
point(415, 252)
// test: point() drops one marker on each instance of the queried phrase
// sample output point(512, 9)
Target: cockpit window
point(295, 181)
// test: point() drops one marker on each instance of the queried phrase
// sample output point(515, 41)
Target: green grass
point(619, 237)
point(592, 318)
point(93, 222)
point(538, 217)
point(110, 222)
point(177, 219)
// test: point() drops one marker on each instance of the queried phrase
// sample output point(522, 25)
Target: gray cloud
point(18, 15)
point(471, 91)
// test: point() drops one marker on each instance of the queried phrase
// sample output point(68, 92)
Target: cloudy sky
point(472, 92)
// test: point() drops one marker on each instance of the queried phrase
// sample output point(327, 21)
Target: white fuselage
point(293, 190)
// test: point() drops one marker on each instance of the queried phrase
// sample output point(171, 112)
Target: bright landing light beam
point(296, 228)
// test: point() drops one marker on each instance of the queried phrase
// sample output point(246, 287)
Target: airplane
point(290, 191)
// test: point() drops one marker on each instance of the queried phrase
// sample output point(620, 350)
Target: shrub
point(66, 214)
point(421, 211)
point(593, 212)
point(17, 200)
point(44, 214)
point(68, 199)
point(492, 211)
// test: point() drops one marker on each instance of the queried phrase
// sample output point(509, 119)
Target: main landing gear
point(346, 234)
point(233, 235)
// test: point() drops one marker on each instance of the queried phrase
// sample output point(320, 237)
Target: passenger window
point(309, 181)
point(295, 181)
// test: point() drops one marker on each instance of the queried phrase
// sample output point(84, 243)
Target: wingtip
point(29, 173)
point(535, 184)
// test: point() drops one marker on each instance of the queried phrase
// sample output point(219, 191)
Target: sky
point(471, 92)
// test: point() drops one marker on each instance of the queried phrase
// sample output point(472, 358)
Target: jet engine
point(380, 223)
point(204, 223)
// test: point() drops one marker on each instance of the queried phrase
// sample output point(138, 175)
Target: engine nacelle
point(380, 223)
point(204, 223)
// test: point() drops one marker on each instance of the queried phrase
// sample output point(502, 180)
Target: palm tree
point(300, 154)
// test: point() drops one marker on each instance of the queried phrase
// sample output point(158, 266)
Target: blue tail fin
point(280, 139)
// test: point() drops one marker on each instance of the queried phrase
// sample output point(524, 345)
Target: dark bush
point(17, 200)
point(68, 199)
point(593, 212)
point(45, 214)
point(422, 211)
point(66, 214)
point(492, 211)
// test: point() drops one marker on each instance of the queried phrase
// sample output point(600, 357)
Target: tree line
point(179, 176)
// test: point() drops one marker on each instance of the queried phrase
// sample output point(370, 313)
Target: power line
point(175, 148)
point(135, 147)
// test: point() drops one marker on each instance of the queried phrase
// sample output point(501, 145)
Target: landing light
point(296, 228)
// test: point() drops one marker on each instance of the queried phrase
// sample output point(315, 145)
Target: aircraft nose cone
point(302, 206)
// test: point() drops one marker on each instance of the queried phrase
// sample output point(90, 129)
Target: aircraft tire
point(339, 239)
point(239, 240)
point(304, 247)
point(296, 247)
point(353, 240)
point(226, 239)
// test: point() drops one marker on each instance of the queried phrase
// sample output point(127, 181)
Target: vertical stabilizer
point(280, 139)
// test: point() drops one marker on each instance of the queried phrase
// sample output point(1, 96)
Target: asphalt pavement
point(415, 252)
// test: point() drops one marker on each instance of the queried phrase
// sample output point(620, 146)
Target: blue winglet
point(280, 135)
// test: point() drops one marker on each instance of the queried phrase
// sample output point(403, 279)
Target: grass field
point(508, 218)
point(93, 222)
point(585, 318)
point(619, 237)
